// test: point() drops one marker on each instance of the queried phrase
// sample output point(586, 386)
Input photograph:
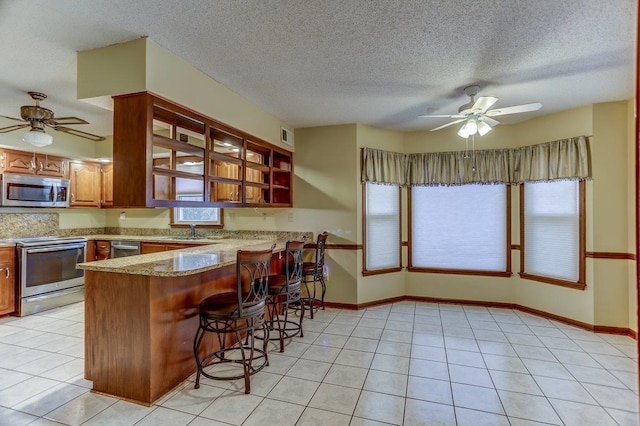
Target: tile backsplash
point(20, 225)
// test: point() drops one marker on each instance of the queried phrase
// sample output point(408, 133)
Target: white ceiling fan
point(477, 116)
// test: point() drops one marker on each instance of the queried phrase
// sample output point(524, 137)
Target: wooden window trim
point(581, 283)
point(367, 272)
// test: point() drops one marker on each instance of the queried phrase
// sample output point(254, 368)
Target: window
point(198, 215)
point(552, 235)
point(381, 228)
point(460, 229)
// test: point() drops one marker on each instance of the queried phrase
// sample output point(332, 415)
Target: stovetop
point(45, 240)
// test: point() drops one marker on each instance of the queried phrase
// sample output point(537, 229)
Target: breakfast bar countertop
point(187, 261)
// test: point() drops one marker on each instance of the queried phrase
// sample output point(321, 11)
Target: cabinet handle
point(41, 166)
point(32, 165)
point(7, 273)
point(237, 195)
point(73, 197)
point(230, 195)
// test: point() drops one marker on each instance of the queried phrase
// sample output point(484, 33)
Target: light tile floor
point(404, 364)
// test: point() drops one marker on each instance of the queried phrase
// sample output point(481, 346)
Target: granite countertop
point(158, 238)
point(212, 254)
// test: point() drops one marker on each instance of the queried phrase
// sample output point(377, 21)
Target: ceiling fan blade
point(79, 133)
point(64, 121)
point(449, 124)
point(441, 116)
point(484, 103)
point(12, 118)
point(490, 121)
point(14, 127)
point(514, 109)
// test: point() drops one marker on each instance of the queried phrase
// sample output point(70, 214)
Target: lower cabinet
point(7, 280)
point(153, 247)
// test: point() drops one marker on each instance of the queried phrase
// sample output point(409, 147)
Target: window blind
point(551, 229)
point(382, 224)
point(459, 227)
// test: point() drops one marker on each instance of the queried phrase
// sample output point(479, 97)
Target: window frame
point(581, 283)
point(368, 272)
point(174, 214)
point(508, 271)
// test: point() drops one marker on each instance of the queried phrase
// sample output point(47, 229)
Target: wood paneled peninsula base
point(141, 315)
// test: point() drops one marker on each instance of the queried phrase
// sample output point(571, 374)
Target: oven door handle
point(60, 247)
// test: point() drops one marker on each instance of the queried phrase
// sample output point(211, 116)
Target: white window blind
point(459, 227)
point(551, 229)
point(382, 224)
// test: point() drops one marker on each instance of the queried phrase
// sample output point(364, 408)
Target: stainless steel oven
point(47, 273)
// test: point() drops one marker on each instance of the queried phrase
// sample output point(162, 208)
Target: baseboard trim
point(589, 327)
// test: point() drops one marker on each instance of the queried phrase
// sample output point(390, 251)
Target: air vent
point(183, 137)
point(286, 136)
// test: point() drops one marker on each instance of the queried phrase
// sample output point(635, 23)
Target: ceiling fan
point(477, 116)
point(37, 118)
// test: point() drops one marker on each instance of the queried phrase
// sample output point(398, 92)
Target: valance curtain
point(562, 159)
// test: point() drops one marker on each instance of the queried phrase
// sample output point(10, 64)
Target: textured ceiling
point(322, 62)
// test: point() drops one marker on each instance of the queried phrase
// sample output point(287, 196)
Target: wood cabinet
point(84, 185)
point(103, 250)
point(7, 280)
point(106, 199)
point(157, 247)
point(33, 164)
point(163, 151)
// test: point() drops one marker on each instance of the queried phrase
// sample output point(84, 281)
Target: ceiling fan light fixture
point(470, 127)
point(37, 137)
point(483, 128)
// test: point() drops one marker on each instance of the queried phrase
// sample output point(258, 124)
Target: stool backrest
point(252, 275)
point(293, 265)
point(320, 246)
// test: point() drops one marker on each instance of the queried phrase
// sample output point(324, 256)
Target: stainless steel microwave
point(34, 191)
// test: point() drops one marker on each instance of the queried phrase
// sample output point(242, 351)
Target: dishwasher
point(124, 248)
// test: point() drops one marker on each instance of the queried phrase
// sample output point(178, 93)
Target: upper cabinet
point(90, 184)
point(33, 164)
point(166, 155)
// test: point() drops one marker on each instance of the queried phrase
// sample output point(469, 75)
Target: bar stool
point(284, 294)
point(239, 313)
point(313, 273)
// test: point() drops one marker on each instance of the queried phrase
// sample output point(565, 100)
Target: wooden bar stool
point(284, 295)
point(241, 314)
point(313, 273)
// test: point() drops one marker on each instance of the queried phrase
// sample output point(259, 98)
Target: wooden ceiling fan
point(38, 117)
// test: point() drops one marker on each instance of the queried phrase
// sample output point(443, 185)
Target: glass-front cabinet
point(184, 159)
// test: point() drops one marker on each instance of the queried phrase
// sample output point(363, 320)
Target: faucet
point(193, 230)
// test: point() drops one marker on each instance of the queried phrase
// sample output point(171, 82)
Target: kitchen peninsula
point(141, 315)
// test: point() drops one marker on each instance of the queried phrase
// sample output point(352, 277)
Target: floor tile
point(504, 363)
point(515, 382)
point(355, 358)
point(231, 407)
point(429, 353)
point(9, 417)
point(361, 344)
point(578, 414)
point(529, 407)
point(394, 348)
point(165, 417)
point(598, 376)
point(380, 407)
point(476, 398)
point(316, 417)
point(309, 370)
point(388, 383)
point(390, 363)
point(429, 369)
point(568, 390)
point(470, 375)
point(294, 390)
point(334, 398)
point(429, 390)
point(50, 399)
point(419, 413)
point(81, 409)
point(193, 401)
point(343, 375)
point(330, 340)
point(608, 397)
point(466, 417)
point(121, 413)
point(471, 359)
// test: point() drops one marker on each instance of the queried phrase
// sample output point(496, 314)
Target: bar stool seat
point(240, 314)
point(284, 295)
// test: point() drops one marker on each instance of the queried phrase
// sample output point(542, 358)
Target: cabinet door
point(148, 247)
point(228, 191)
point(107, 186)
point(19, 162)
point(7, 281)
point(48, 165)
point(84, 185)
point(103, 250)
